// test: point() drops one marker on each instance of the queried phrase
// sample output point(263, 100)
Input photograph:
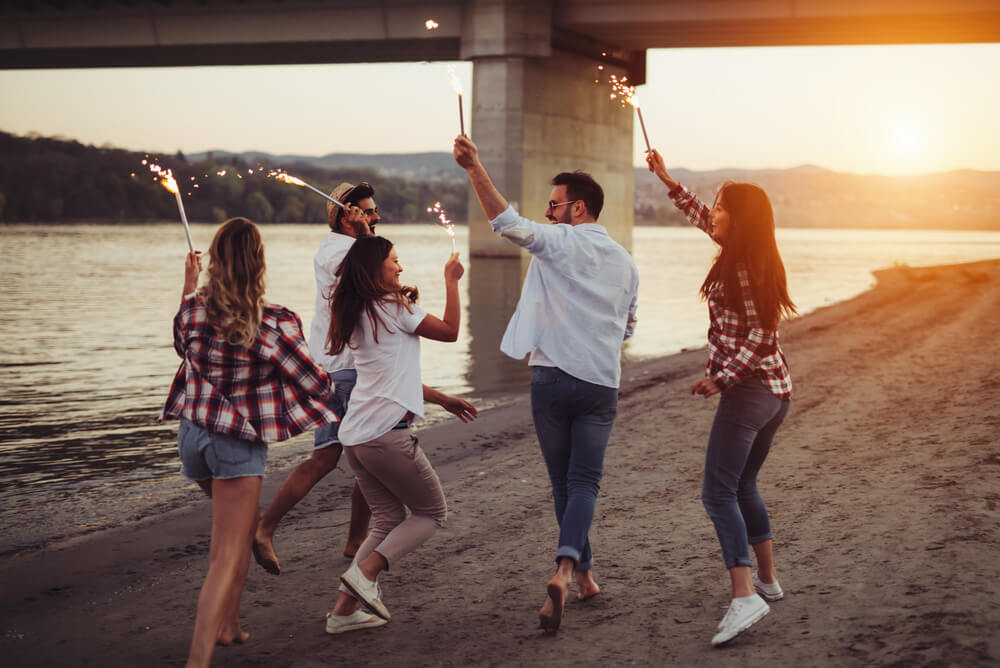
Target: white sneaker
point(366, 591)
point(741, 615)
point(359, 619)
point(769, 592)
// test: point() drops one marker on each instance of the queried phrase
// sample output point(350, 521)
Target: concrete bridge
point(536, 110)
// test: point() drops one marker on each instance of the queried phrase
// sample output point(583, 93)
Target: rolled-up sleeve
point(535, 238)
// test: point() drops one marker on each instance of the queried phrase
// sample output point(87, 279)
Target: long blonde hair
point(234, 289)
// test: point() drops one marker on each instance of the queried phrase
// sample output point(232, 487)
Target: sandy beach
point(882, 487)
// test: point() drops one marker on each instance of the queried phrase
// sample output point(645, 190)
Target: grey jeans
point(395, 474)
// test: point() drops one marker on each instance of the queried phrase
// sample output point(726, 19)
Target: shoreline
point(881, 487)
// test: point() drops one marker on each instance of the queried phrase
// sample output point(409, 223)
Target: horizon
point(160, 155)
point(904, 110)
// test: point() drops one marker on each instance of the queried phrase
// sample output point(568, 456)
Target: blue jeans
point(343, 384)
point(573, 420)
point(745, 423)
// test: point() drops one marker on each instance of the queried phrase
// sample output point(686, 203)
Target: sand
point(882, 487)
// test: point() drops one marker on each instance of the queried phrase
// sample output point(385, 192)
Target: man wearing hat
point(356, 219)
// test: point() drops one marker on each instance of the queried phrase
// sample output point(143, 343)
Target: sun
point(905, 139)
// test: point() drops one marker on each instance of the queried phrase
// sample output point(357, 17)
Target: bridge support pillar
point(537, 111)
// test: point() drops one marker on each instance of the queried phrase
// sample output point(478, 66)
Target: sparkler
point(620, 89)
point(457, 86)
point(442, 216)
point(166, 179)
point(431, 24)
point(296, 181)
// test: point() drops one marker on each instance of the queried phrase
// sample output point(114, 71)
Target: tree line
point(47, 180)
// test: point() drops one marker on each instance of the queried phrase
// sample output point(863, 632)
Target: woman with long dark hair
point(747, 297)
point(374, 315)
point(246, 380)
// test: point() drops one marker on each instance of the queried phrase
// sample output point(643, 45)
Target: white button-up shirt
point(327, 260)
point(578, 301)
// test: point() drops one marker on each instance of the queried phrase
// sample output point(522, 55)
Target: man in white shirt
point(577, 306)
point(357, 219)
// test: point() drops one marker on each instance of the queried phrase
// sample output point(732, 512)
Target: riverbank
point(882, 489)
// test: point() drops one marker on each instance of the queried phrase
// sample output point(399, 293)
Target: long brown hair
point(360, 289)
point(750, 245)
point(234, 291)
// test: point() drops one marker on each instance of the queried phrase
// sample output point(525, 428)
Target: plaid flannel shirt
point(738, 347)
point(266, 393)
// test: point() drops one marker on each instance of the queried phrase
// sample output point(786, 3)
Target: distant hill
point(427, 167)
point(804, 196)
point(46, 179)
point(54, 179)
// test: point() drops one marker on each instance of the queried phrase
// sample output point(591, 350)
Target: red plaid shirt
point(267, 393)
point(738, 347)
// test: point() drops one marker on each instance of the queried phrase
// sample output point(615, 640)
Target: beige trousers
point(394, 474)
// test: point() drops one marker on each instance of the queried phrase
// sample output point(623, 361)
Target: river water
point(86, 350)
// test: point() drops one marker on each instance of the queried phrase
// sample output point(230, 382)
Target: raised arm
point(192, 269)
point(656, 165)
point(467, 157)
point(446, 327)
point(683, 199)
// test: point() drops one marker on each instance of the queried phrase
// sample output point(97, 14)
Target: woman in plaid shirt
point(747, 297)
point(246, 380)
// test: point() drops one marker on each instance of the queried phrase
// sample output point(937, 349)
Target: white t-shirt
point(325, 264)
point(389, 382)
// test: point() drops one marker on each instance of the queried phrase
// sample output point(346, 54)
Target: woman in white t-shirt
point(374, 315)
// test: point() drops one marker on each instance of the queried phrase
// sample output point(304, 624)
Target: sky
point(865, 109)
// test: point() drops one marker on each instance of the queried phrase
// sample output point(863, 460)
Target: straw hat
point(338, 194)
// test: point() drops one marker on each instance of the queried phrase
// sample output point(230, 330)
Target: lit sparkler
point(442, 217)
point(296, 181)
point(625, 92)
point(456, 84)
point(166, 179)
point(431, 24)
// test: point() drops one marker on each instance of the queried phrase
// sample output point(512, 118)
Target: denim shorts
point(343, 384)
point(206, 455)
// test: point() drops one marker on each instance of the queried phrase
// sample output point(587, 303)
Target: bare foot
point(557, 590)
point(263, 554)
point(352, 546)
point(545, 615)
point(228, 637)
point(586, 587)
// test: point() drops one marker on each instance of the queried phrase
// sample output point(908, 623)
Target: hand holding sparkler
point(465, 152)
point(192, 270)
point(453, 269)
point(356, 218)
point(656, 165)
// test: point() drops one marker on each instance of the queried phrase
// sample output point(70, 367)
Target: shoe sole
point(770, 598)
point(753, 620)
point(355, 627)
point(383, 613)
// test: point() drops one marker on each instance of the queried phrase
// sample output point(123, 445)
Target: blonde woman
point(372, 313)
point(246, 380)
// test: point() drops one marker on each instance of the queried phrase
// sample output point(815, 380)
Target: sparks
point(442, 217)
point(166, 179)
point(296, 181)
point(431, 24)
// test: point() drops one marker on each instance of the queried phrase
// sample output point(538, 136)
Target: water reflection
point(494, 288)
